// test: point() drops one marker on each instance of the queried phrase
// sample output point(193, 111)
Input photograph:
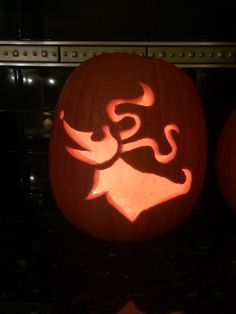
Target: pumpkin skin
point(107, 174)
point(226, 160)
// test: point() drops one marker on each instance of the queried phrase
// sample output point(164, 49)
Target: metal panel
point(194, 54)
point(67, 53)
point(81, 53)
point(26, 53)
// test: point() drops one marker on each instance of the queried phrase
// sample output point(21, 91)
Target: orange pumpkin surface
point(128, 147)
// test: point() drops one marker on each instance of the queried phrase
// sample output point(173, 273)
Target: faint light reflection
point(28, 80)
point(32, 178)
point(51, 81)
point(47, 123)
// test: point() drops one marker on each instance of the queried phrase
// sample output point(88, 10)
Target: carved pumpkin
point(226, 160)
point(128, 147)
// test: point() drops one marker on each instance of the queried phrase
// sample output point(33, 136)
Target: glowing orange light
point(153, 144)
point(96, 152)
point(130, 308)
point(131, 191)
point(127, 189)
point(146, 100)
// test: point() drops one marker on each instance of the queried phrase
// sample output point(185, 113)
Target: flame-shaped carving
point(127, 189)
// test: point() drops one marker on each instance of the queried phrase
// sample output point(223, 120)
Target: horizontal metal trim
point(70, 64)
point(72, 53)
point(120, 43)
point(35, 64)
point(209, 66)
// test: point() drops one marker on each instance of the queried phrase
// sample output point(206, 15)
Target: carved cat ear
point(96, 152)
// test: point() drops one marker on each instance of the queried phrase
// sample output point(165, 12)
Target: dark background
point(46, 266)
point(126, 20)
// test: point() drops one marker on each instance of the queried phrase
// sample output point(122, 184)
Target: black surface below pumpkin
point(49, 267)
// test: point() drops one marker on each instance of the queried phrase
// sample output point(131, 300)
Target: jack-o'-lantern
point(128, 147)
point(226, 160)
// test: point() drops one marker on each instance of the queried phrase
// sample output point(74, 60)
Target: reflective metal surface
point(184, 54)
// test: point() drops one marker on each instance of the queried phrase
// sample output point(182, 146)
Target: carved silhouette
point(127, 189)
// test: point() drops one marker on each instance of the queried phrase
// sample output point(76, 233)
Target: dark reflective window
point(11, 179)
point(128, 20)
point(9, 20)
point(37, 129)
point(41, 86)
point(8, 88)
point(10, 130)
point(192, 21)
point(86, 20)
point(37, 172)
point(219, 98)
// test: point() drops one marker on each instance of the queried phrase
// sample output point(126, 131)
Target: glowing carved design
point(97, 152)
point(132, 191)
point(127, 189)
point(130, 308)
